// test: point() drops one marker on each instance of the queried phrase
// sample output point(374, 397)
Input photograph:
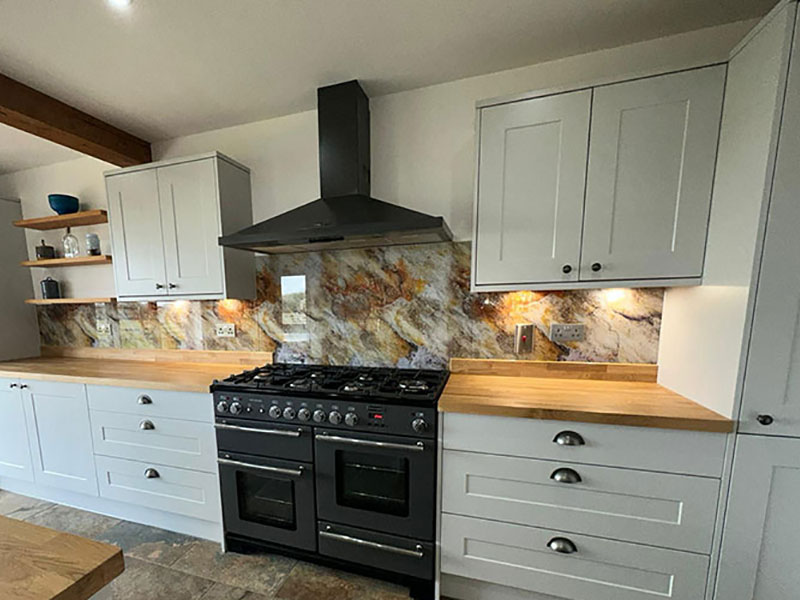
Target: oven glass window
point(266, 500)
point(372, 482)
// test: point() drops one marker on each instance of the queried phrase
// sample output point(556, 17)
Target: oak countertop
point(640, 404)
point(37, 563)
point(163, 375)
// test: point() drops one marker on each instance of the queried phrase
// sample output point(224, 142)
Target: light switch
point(523, 338)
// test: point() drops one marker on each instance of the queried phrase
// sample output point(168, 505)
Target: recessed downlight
point(119, 4)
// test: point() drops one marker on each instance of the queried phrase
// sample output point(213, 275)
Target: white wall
point(422, 141)
point(703, 328)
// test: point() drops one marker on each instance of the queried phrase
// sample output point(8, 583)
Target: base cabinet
point(760, 554)
point(15, 455)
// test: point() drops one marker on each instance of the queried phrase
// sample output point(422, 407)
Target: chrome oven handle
point(282, 471)
point(418, 553)
point(284, 432)
point(324, 437)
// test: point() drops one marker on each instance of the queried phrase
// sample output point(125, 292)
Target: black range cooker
point(332, 464)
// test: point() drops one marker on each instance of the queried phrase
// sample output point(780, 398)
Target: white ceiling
point(166, 68)
point(20, 150)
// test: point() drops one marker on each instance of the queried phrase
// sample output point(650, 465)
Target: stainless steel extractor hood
point(346, 216)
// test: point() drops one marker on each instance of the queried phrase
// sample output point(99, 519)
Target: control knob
point(335, 417)
point(419, 425)
point(319, 416)
point(236, 408)
point(304, 414)
point(351, 419)
point(275, 412)
point(288, 413)
point(222, 406)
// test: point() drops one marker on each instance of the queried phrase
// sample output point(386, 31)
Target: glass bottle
point(71, 247)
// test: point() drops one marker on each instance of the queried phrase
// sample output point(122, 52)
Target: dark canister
point(44, 251)
point(50, 289)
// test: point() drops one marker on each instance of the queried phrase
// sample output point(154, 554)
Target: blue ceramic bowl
point(63, 204)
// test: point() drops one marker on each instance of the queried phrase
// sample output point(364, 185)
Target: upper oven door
point(379, 482)
point(275, 440)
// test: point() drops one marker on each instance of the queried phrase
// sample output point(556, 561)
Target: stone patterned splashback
point(402, 305)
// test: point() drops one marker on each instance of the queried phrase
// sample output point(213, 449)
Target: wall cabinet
point(15, 454)
point(598, 187)
point(165, 221)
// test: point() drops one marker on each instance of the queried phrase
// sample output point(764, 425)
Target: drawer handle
point(566, 476)
point(144, 399)
point(569, 438)
point(146, 425)
point(562, 545)
point(151, 474)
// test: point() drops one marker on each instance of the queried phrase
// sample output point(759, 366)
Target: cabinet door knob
point(562, 545)
point(569, 438)
point(151, 474)
point(596, 267)
point(146, 425)
point(13, 385)
point(565, 475)
point(765, 419)
point(566, 269)
point(23, 386)
point(144, 399)
point(172, 286)
point(159, 286)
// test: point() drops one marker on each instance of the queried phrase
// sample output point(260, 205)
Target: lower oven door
point(379, 482)
point(268, 500)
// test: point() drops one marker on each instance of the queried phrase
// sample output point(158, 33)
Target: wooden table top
point(37, 563)
point(611, 402)
point(178, 376)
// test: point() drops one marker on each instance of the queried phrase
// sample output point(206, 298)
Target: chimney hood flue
point(346, 216)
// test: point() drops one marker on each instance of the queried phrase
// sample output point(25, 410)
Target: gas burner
point(300, 384)
point(365, 378)
point(413, 385)
point(352, 387)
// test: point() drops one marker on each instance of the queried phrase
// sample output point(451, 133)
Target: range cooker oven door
point(378, 482)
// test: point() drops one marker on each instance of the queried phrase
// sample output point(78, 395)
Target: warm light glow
point(119, 4)
point(180, 307)
point(614, 294)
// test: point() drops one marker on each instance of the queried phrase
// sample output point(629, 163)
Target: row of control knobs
point(304, 414)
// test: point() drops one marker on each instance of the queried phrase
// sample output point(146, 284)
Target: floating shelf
point(78, 219)
point(79, 261)
point(41, 302)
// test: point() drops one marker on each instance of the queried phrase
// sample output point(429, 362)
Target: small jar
point(92, 244)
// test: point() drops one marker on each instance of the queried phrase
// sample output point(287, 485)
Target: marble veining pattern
point(402, 305)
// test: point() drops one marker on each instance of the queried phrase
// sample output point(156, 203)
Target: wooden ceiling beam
point(25, 108)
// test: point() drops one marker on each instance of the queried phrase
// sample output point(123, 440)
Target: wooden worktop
point(187, 371)
point(37, 563)
point(578, 396)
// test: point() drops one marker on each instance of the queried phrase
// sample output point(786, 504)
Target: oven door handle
point(283, 432)
point(324, 437)
point(418, 553)
point(280, 470)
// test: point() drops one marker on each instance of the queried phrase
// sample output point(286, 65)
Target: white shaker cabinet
point(57, 419)
point(609, 185)
point(760, 556)
point(166, 219)
point(15, 455)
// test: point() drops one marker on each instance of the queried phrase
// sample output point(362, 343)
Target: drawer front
point(671, 450)
point(180, 491)
point(659, 509)
point(173, 442)
point(599, 569)
point(152, 403)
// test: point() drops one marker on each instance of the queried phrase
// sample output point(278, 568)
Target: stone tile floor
point(162, 565)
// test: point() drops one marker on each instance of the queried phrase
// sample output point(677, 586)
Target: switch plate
point(523, 338)
point(226, 330)
point(567, 332)
point(103, 327)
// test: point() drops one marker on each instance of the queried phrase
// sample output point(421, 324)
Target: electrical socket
point(567, 332)
point(103, 327)
point(226, 330)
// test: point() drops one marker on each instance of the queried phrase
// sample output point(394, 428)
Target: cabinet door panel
point(190, 217)
point(651, 166)
point(15, 454)
point(61, 438)
point(136, 234)
point(759, 546)
point(530, 190)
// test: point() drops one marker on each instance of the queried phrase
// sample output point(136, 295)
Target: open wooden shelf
point(79, 261)
point(41, 302)
point(78, 219)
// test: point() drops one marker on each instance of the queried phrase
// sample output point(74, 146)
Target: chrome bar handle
point(324, 437)
point(284, 432)
point(280, 470)
point(417, 553)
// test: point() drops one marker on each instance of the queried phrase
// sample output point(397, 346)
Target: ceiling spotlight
point(119, 4)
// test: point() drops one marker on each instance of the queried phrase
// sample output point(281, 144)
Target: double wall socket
point(567, 332)
point(226, 330)
point(103, 327)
